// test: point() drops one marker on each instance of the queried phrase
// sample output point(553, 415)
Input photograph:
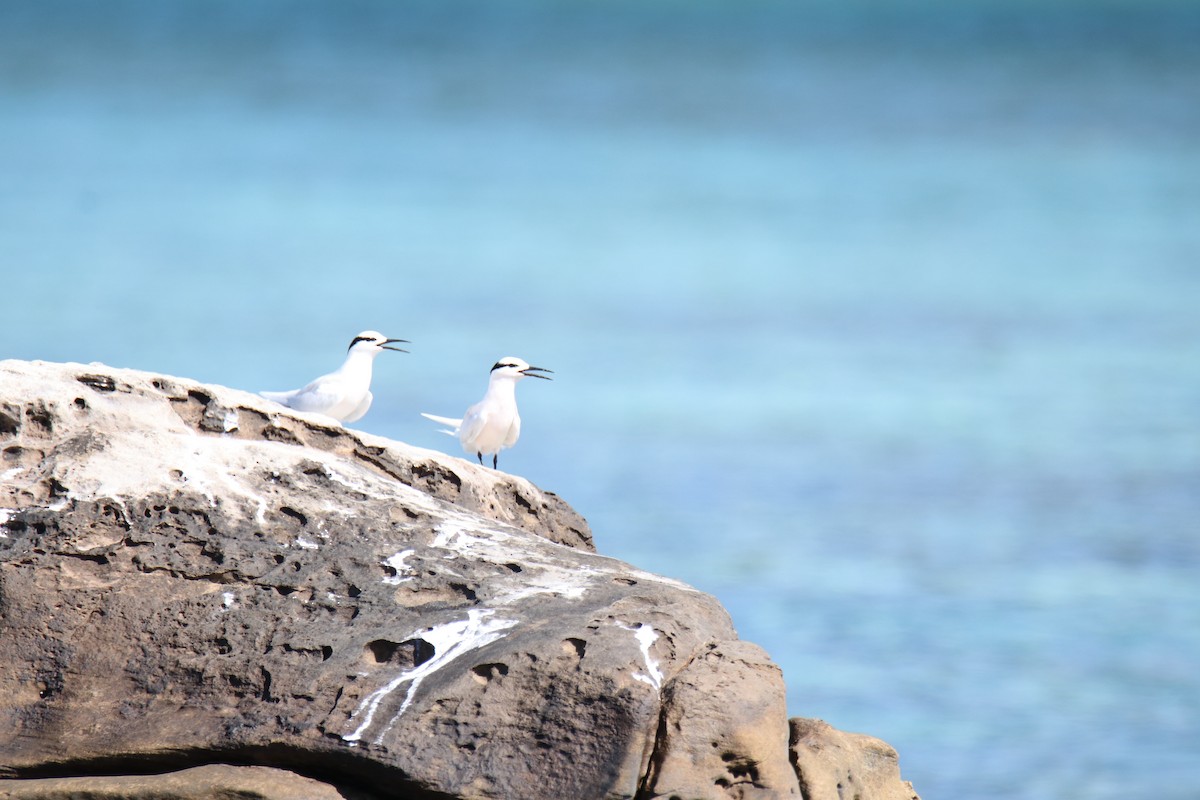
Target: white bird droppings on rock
point(449, 641)
point(646, 636)
point(396, 563)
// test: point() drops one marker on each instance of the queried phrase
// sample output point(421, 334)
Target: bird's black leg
point(480, 457)
point(495, 459)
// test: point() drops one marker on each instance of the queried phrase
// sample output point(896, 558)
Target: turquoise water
point(879, 322)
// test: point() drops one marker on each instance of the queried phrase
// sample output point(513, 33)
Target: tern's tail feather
point(278, 397)
point(454, 424)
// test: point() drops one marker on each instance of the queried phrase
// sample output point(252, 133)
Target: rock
point(720, 712)
point(210, 782)
point(194, 578)
point(832, 763)
point(146, 415)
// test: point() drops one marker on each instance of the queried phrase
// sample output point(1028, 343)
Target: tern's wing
point(454, 424)
point(358, 413)
point(473, 423)
point(321, 396)
point(514, 431)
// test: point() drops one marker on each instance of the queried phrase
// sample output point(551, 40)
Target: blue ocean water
point(876, 320)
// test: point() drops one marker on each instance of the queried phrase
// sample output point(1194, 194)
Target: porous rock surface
point(206, 595)
point(833, 763)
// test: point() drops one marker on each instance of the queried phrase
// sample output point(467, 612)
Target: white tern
point(493, 423)
point(344, 394)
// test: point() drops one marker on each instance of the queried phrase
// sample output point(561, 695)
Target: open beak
point(386, 342)
point(532, 372)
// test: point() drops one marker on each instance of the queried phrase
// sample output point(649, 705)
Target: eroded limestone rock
point(191, 576)
point(836, 764)
point(210, 782)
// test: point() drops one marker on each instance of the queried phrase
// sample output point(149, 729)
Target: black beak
point(532, 372)
point(386, 342)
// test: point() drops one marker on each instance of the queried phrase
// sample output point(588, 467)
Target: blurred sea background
point(878, 320)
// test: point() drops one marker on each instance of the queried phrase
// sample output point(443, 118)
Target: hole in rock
point(101, 383)
point(412, 652)
point(488, 672)
point(8, 424)
point(422, 651)
point(41, 418)
point(426, 471)
point(274, 433)
point(199, 396)
point(741, 768)
point(294, 514)
point(575, 647)
point(381, 650)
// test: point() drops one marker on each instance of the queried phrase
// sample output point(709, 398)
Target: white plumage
point(344, 394)
point(493, 423)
